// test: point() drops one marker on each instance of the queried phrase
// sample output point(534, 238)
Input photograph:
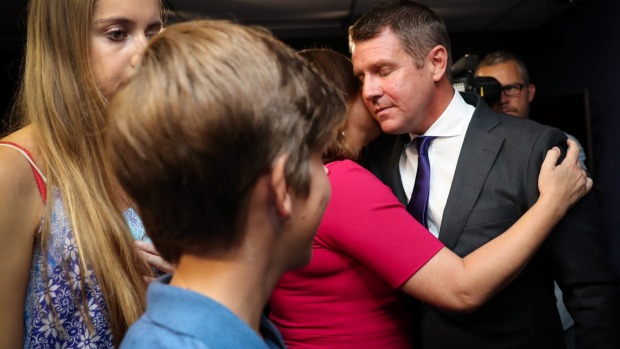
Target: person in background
point(517, 90)
point(222, 156)
point(478, 171)
point(71, 275)
point(515, 98)
point(369, 252)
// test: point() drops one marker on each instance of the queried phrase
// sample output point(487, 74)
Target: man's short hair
point(498, 57)
point(209, 109)
point(417, 27)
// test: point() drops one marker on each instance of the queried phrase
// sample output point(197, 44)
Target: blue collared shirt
point(179, 318)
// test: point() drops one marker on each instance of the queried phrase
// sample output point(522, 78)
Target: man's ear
point(438, 58)
point(282, 197)
point(531, 89)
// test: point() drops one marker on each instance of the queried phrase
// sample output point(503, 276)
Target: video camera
point(463, 80)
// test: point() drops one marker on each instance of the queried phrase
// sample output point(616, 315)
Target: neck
point(355, 138)
point(242, 277)
point(241, 285)
point(443, 95)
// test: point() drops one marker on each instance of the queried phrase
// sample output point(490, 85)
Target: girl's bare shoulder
point(17, 181)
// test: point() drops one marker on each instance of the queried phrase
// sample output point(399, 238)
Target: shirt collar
point(451, 122)
point(165, 303)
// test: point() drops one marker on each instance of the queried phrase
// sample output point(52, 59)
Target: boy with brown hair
point(218, 139)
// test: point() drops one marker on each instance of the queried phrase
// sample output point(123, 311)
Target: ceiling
point(316, 18)
point(330, 18)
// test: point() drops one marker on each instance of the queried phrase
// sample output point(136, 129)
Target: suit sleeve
point(579, 258)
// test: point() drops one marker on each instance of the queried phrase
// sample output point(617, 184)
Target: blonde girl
point(70, 273)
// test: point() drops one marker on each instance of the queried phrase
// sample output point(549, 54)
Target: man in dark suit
point(483, 176)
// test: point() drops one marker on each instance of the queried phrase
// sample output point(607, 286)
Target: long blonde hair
point(59, 97)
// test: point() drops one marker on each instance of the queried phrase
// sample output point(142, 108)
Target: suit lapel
point(479, 151)
point(395, 161)
point(388, 150)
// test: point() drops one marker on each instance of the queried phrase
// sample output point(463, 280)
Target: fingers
point(589, 181)
point(552, 158)
point(567, 182)
point(165, 266)
point(572, 155)
point(146, 247)
point(589, 184)
point(583, 183)
point(153, 258)
point(158, 263)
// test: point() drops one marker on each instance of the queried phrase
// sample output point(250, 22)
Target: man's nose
point(371, 89)
point(503, 98)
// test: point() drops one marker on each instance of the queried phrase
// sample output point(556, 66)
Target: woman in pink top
point(369, 253)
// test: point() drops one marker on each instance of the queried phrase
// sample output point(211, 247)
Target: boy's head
point(211, 106)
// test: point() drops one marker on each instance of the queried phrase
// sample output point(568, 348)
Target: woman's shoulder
point(349, 171)
point(344, 166)
point(349, 177)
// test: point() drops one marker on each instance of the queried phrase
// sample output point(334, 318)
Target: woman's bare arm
point(463, 284)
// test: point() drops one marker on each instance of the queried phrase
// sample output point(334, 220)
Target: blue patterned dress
point(72, 331)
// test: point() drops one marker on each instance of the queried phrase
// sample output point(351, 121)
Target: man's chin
point(391, 128)
point(514, 113)
point(510, 112)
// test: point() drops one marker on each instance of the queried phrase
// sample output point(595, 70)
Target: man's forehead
point(507, 70)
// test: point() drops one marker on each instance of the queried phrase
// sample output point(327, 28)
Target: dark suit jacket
point(495, 182)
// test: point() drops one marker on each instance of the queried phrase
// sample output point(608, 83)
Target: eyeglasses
point(513, 89)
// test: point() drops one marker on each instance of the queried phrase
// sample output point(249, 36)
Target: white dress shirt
point(443, 155)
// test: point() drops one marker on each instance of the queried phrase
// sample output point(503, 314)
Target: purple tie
point(418, 204)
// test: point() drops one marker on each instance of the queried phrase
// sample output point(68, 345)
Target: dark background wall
point(585, 46)
point(11, 46)
point(579, 51)
point(10, 60)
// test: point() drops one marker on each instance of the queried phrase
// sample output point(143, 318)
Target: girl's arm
point(21, 209)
